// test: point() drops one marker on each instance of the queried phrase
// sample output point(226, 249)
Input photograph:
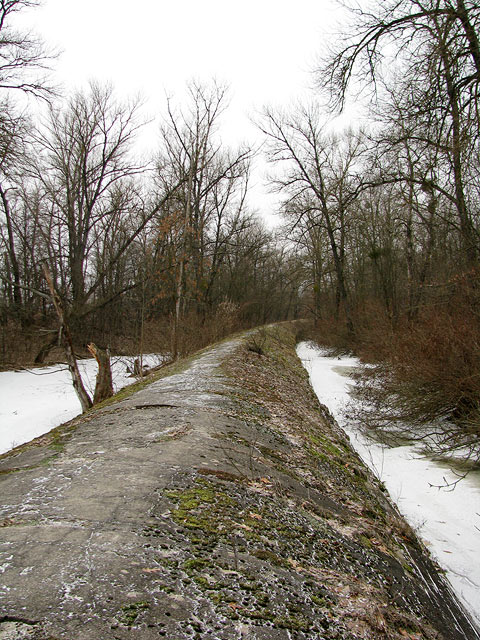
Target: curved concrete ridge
point(218, 502)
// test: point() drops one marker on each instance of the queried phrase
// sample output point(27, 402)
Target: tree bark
point(466, 227)
point(45, 349)
point(84, 398)
point(103, 384)
point(181, 267)
point(17, 295)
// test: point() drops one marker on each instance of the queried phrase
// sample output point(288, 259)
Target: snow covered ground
point(33, 402)
point(447, 521)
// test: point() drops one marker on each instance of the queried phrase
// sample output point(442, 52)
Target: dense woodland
point(163, 251)
point(379, 240)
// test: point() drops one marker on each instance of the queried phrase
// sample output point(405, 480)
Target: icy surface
point(447, 521)
point(33, 402)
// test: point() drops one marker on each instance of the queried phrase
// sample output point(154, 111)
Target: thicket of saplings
point(379, 244)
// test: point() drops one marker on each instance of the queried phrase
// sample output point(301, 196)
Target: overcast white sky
point(264, 49)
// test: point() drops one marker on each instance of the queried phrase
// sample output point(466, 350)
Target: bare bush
point(427, 384)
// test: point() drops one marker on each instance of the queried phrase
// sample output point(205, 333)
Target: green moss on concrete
point(130, 612)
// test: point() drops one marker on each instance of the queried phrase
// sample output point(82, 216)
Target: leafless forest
point(379, 242)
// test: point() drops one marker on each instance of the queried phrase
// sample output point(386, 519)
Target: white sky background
point(264, 49)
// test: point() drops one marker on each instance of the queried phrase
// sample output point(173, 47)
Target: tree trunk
point(84, 398)
point(340, 275)
point(103, 384)
point(181, 268)
point(470, 34)
point(17, 295)
point(466, 226)
point(46, 348)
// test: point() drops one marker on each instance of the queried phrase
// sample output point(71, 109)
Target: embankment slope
point(218, 501)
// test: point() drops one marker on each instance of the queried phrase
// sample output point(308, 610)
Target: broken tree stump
point(103, 384)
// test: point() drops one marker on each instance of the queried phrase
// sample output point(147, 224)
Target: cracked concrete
point(195, 508)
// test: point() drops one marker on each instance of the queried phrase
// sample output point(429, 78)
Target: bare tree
point(211, 178)
point(13, 132)
point(428, 51)
point(24, 59)
point(82, 194)
point(24, 63)
point(321, 171)
point(84, 166)
point(401, 22)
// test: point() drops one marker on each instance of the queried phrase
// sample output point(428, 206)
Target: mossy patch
point(250, 550)
point(324, 445)
point(130, 612)
point(201, 507)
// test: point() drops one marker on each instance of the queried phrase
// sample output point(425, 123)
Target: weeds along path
point(220, 501)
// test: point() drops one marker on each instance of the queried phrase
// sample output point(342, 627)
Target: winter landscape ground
point(34, 401)
point(447, 520)
point(221, 500)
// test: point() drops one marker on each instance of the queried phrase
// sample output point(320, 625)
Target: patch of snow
point(24, 572)
point(33, 402)
point(5, 565)
point(447, 521)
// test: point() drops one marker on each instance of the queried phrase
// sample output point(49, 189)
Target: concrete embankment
point(219, 500)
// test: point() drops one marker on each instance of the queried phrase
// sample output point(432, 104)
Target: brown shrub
point(426, 382)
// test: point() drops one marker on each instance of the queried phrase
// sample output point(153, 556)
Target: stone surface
point(220, 501)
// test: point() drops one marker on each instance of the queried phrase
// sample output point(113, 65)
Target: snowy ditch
point(34, 401)
point(448, 521)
